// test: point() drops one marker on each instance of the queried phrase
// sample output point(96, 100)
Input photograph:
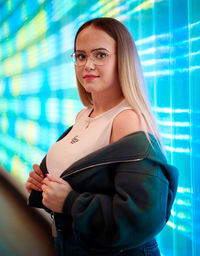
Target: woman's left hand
point(55, 191)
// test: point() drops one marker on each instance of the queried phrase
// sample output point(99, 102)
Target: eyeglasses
point(98, 57)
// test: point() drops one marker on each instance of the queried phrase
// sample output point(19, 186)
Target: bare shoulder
point(126, 122)
point(80, 112)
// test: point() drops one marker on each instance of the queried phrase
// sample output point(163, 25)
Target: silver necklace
point(76, 139)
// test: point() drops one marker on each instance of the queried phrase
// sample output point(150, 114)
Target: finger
point(44, 188)
point(35, 182)
point(35, 176)
point(55, 178)
point(37, 169)
point(30, 186)
point(46, 181)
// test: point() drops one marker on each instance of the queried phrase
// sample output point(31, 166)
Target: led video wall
point(39, 99)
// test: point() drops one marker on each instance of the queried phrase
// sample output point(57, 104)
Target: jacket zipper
point(99, 164)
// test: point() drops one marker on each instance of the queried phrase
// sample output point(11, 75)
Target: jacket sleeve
point(135, 213)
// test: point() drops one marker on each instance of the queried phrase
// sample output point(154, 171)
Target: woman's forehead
point(94, 37)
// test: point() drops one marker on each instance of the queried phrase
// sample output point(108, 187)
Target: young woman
point(106, 181)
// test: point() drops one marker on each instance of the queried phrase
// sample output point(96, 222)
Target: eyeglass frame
point(73, 56)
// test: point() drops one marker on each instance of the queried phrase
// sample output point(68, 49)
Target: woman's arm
point(124, 123)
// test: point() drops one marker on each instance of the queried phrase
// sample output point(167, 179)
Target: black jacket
point(122, 194)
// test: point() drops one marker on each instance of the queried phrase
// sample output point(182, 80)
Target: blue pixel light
point(39, 99)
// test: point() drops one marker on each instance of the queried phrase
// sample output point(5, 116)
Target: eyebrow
point(97, 49)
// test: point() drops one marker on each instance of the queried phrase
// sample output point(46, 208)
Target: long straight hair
point(130, 73)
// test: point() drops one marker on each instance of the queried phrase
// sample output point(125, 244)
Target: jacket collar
point(131, 147)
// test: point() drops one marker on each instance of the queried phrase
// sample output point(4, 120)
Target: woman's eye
point(101, 55)
point(80, 56)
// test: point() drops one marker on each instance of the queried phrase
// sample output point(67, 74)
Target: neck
point(103, 103)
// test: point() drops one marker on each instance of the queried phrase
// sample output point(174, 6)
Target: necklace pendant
point(75, 139)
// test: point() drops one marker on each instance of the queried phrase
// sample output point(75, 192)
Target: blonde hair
point(129, 70)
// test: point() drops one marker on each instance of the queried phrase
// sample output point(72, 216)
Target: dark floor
point(23, 232)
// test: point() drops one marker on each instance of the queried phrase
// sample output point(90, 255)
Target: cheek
point(111, 71)
point(78, 73)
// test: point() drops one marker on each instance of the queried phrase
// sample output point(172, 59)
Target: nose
point(89, 65)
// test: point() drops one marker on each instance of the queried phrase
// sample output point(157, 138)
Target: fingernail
point(46, 174)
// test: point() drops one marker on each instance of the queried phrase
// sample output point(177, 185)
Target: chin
point(89, 87)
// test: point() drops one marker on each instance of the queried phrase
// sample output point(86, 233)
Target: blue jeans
point(69, 245)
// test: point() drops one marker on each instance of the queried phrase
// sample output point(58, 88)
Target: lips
point(90, 76)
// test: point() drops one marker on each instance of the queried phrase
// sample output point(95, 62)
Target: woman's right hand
point(35, 178)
